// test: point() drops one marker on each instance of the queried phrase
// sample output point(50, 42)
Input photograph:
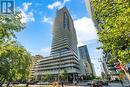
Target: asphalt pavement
point(110, 85)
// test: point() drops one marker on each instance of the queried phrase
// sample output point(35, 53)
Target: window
point(66, 21)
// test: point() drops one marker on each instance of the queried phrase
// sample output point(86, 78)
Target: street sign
point(118, 66)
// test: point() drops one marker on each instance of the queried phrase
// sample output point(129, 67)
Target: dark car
point(16, 82)
point(33, 82)
point(105, 82)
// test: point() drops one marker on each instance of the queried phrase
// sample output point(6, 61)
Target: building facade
point(83, 53)
point(85, 61)
point(34, 65)
point(64, 55)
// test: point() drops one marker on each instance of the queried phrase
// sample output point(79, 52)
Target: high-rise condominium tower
point(64, 35)
point(64, 55)
point(85, 59)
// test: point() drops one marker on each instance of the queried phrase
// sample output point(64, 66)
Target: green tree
point(112, 18)
point(14, 59)
point(63, 74)
point(15, 63)
point(9, 24)
point(103, 75)
point(90, 77)
point(47, 77)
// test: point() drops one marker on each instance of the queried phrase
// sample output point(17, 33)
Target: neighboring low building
point(34, 65)
point(54, 64)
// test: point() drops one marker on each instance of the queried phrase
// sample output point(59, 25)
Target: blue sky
point(39, 16)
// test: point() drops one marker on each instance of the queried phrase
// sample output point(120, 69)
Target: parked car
point(105, 82)
point(89, 82)
point(15, 82)
point(32, 82)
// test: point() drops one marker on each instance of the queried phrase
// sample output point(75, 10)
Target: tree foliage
point(9, 24)
point(63, 74)
point(103, 75)
point(47, 77)
point(90, 77)
point(15, 61)
point(113, 20)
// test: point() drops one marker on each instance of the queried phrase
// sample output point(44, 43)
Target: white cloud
point(57, 4)
point(63, 4)
point(26, 6)
point(46, 51)
point(85, 30)
point(47, 20)
point(80, 43)
point(27, 16)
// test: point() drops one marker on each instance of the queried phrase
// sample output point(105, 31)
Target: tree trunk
point(27, 84)
point(1, 84)
point(8, 84)
point(127, 74)
point(2, 81)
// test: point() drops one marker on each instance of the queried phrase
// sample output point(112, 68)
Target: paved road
point(110, 85)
